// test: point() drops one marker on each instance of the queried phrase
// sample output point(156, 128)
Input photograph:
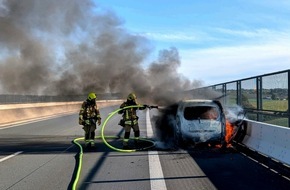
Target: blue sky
point(218, 40)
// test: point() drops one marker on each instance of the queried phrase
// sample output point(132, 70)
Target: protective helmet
point(92, 96)
point(131, 97)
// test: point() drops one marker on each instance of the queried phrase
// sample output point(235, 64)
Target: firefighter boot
point(92, 143)
point(136, 140)
point(137, 143)
point(125, 144)
point(87, 143)
point(92, 138)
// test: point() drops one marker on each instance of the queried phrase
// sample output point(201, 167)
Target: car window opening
point(201, 112)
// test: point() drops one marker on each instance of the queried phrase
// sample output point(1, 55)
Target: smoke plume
point(72, 47)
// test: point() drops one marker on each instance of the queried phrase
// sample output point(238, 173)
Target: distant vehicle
point(199, 121)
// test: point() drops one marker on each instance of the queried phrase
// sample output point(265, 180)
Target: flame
point(229, 132)
point(229, 135)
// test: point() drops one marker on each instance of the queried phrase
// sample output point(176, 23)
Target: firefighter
point(130, 119)
point(89, 115)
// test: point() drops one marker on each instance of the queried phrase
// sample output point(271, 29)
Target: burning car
point(199, 121)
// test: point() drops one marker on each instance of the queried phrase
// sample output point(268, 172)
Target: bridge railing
point(264, 98)
point(24, 99)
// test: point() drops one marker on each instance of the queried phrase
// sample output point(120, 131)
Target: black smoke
point(72, 47)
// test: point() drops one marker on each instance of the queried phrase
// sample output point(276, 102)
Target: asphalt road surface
point(41, 155)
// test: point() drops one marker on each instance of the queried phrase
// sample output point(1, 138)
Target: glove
point(99, 121)
point(87, 122)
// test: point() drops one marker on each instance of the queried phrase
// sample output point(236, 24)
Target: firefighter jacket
point(90, 112)
point(129, 115)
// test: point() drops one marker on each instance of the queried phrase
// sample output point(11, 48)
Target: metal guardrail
point(268, 140)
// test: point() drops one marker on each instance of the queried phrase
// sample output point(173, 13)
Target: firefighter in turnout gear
point(89, 115)
point(130, 119)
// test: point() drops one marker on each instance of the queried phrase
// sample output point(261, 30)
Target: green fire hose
point(103, 137)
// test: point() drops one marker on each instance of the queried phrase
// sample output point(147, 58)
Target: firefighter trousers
point(127, 128)
point(89, 132)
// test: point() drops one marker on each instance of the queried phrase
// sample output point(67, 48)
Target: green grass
point(276, 105)
point(281, 122)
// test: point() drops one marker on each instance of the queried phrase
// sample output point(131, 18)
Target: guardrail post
point(224, 91)
point(288, 112)
point(239, 93)
point(259, 97)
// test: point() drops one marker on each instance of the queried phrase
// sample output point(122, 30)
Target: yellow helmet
point(92, 96)
point(131, 96)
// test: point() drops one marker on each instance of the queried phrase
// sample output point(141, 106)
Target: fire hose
point(103, 137)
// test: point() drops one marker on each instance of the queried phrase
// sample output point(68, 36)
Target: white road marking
point(10, 156)
point(155, 170)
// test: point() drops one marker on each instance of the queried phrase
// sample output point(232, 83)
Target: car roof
point(204, 102)
point(197, 100)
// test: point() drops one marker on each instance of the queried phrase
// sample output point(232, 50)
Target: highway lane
point(47, 155)
point(46, 159)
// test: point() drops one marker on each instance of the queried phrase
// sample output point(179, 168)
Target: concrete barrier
point(270, 140)
point(20, 112)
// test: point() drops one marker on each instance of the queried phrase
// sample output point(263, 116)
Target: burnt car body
point(199, 121)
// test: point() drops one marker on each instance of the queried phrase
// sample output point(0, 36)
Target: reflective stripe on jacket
point(129, 115)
